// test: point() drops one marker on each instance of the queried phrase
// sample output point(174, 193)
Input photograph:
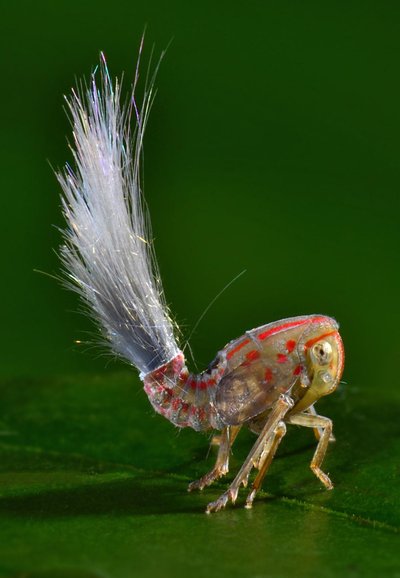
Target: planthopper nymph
point(271, 376)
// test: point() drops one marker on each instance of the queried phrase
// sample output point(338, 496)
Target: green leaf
point(93, 484)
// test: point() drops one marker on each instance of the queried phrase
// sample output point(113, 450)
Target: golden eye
point(322, 352)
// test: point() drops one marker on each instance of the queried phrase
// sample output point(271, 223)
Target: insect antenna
point(206, 310)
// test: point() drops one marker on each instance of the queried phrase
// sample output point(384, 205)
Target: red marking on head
point(314, 340)
point(238, 347)
point(252, 355)
point(341, 357)
point(297, 370)
point(268, 375)
point(290, 345)
point(281, 358)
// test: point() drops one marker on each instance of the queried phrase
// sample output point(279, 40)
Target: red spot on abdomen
point(192, 382)
point(290, 345)
point(176, 403)
point(281, 358)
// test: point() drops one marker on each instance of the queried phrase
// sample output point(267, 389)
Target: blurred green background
point(273, 146)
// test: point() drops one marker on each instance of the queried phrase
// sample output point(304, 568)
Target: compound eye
point(322, 352)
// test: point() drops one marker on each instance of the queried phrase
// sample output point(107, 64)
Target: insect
point(269, 377)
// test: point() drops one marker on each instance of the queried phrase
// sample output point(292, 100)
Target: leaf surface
point(93, 484)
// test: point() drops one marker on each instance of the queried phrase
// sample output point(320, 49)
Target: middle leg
point(281, 407)
point(266, 459)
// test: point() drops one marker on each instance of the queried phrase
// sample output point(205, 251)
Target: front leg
point(318, 431)
point(325, 425)
point(221, 467)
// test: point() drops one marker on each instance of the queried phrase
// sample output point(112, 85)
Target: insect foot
point(208, 479)
point(322, 476)
point(219, 504)
point(250, 498)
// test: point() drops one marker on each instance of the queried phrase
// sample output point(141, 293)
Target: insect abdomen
point(184, 399)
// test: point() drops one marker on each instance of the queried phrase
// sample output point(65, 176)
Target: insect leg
point(316, 421)
point(281, 407)
point(318, 431)
point(266, 459)
point(221, 467)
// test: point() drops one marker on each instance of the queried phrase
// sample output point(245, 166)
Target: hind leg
point(221, 467)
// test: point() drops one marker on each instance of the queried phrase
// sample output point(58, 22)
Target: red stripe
point(274, 330)
point(238, 347)
point(289, 325)
point(311, 342)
